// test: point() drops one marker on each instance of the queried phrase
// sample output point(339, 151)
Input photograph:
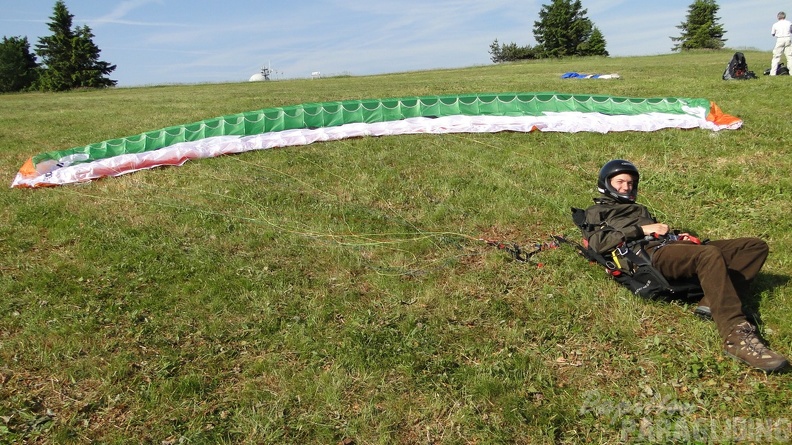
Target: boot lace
point(747, 333)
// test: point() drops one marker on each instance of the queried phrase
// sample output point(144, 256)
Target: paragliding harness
point(737, 69)
point(630, 265)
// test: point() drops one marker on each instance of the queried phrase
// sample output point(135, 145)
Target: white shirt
point(781, 28)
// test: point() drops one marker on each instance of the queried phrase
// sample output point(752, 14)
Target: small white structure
point(316, 75)
point(264, 74)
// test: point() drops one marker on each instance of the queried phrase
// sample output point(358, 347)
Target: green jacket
point(612, 223)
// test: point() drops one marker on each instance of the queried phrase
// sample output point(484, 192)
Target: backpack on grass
point(737, 69)
point(782, 70)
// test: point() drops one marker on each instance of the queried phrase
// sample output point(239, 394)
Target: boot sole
point(777, 369)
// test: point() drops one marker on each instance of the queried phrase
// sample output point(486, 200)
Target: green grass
point(339, 291)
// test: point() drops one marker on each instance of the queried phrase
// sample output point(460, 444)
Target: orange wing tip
point(721, 119)
point(28, 170)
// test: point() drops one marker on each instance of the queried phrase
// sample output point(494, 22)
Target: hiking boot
point(745, 345)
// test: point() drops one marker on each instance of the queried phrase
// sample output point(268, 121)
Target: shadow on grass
point(764, 282)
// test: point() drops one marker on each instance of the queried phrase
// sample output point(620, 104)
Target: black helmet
point(611, 169)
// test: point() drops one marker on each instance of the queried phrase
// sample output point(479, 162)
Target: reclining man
point(724, 268)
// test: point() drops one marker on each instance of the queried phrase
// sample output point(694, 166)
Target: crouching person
point(724, 268)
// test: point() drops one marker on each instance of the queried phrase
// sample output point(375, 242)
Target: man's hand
point(658, 229)
point(688, 237)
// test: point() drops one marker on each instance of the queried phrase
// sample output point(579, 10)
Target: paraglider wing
point(328, 121)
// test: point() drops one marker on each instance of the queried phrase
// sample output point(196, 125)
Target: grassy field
point(338, 292)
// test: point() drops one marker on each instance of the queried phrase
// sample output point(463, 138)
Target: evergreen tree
point(564, 30)
point(496, 54)
point(595, 45)
point(701, 30)
point(56, 51)
point(509, 52)
point(70, 57)
point(18, 67)
point(89, 71)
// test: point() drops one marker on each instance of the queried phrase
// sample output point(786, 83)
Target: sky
point(159, 42)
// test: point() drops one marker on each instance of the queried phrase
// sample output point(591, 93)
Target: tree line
point(69, 59)
point(564, 30)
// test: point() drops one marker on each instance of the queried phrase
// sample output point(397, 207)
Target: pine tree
point(496, 53)
point(510, 52)
point(69, 56)
point(701, 30)
point(564, 30)
point(89, 71)
point(18, 67)
point(56, 50)
point(595, 45)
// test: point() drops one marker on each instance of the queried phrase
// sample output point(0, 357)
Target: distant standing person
point(782, 31)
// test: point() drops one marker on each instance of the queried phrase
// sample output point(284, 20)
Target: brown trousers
point(725, 269)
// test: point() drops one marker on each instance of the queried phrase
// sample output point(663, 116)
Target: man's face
point(623, 183)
